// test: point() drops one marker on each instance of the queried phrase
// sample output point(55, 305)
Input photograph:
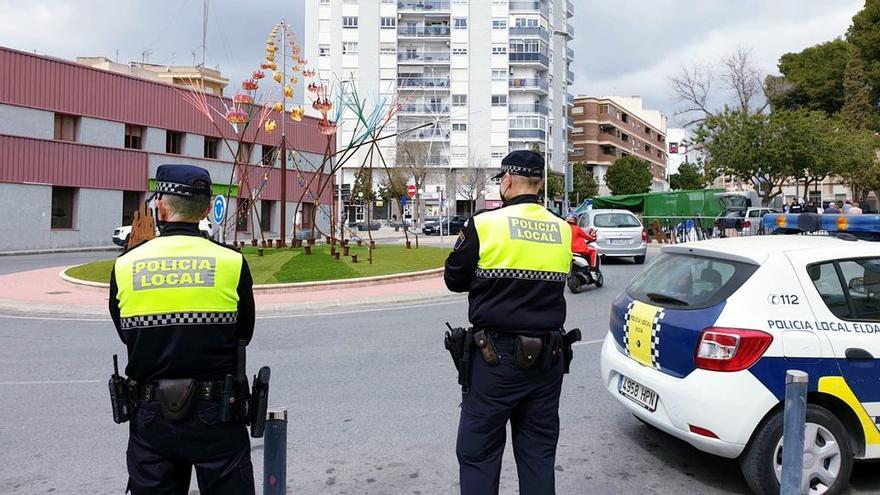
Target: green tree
point(857, 111)
point(584, 184)
point(811, 78)
point(858, 164)
point(628, 175)
point(688, 177)
point(554, 187)
point(864, 34)
point(363, 183)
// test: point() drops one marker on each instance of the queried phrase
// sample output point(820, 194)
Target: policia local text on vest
point(183, 306)
point(513, 263)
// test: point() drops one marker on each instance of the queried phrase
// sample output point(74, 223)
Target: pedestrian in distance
point(855, 209)
point(846, 206)
point(795, 207)
point(811, 207)
point(184, 307)
point(513, 262)
point(832, 209)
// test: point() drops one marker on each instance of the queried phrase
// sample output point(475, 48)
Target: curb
point(346, 283)
point(61, 250)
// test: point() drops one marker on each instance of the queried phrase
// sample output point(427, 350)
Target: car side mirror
point(857, 285)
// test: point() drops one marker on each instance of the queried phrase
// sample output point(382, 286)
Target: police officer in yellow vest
point(513, 262)
point(181, 303)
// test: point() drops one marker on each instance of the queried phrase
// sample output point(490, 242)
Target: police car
point(700, 342)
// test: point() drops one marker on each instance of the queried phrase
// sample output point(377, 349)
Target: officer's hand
point(142, 227)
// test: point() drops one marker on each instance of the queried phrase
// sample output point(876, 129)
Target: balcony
point(424, 108)
point(535, 108)
point(529, 84)
point(569, 98)
point(569, 8)
point(421, 58)
point(531, 7)
point(423, 82)
point(427, 134)
point(423, 32)
point(422, 5)
point(569, 54)
point(531, 31)
point(569, 76)
point(529, 58)
point(570, 30)
point(527, 134)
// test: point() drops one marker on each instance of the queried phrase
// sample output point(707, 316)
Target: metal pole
point(794, 419)
point(283, 227)
point(275, 452)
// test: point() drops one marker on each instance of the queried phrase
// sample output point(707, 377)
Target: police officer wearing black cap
point(513, 263)
point(182, 305)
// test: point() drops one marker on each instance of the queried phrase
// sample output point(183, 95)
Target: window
point(269, 155)
point(648, 131)
point(526, 22)
point(684, 281)
point(134, 136)
point(604, 109)
point(624, 137)
point(131, 201)
point(577, 110)
point(173, 142)
point(499, 100)
point(577, 131)
point(625, 118)
point(243, 214)
point(63, 199)
point(499, 50)
point(459, 51)
point(388, 50)
point(459, 23)
point(266, 208)
point(325, 2)
point(211, 146)
point(850, 288)
point(578, 152)
point(499, 74)
point(349, 22)
point(648, 148)
point(65, 127)
point(324, 51)
point(349, 48)
point(244, 153)
point(459, 100)
point(388, 22)
point(527, 122)
point(498, 154)
point(499, 23)
point(459, 126)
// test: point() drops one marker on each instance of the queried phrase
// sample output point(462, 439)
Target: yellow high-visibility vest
point(178, 279)
point(523, 241)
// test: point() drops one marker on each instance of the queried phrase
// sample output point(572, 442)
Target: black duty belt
point(204, 391)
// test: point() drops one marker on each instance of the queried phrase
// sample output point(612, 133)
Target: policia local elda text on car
point(513, 262)
point(184, 307)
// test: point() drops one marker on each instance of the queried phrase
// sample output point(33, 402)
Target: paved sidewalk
point(44, 292)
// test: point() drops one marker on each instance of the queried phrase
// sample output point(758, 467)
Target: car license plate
point(637, 393)
point(618, 241)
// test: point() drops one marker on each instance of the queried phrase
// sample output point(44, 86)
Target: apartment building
point(489, 77)
point(79, 149)
point(607, 128)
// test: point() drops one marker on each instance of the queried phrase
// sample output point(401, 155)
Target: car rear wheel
point(828, 457)
point(640, 260)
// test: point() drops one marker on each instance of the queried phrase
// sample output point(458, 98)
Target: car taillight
point(730, 349)
point(644, 235)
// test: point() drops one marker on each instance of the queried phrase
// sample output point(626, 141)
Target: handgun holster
point(487, 347)
point(526, 351)
point(176, 398)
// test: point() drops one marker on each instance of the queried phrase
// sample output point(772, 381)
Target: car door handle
point(857, 354)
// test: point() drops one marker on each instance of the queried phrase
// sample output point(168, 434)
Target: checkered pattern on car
point(521, 274)
point(655, 333)
point(169, 319)
point(629, 308)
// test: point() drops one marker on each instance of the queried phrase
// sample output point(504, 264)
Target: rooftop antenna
point(172, 59)
point(117, 55)
point(145, 55)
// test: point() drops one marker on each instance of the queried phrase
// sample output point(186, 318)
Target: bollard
point(794, 419)
point(275, 452)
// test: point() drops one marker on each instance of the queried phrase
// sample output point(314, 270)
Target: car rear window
point(615, 220)
point(686, 281)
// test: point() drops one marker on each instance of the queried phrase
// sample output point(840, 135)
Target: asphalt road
point(13, 264)
point(373, 405)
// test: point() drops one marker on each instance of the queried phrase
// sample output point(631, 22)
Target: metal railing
point(429, 108)
point(423, 5)
point(569, 53)
point(570, 30)
point(570, 76)
point(671, 229)
point(424, 57)
point(527, 134)
point(430, 134)
point(520, 6)
point(424, 31)
point(422, 82)
point(569, 7)
point(530, 31)
point(521, 83)
point(518, 57)
point(527, 108)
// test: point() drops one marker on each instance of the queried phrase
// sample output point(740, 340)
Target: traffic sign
point(219, 208)
point(403, 200)
point(411, 190)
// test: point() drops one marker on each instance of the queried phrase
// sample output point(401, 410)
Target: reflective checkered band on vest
point(179, 319)
point(521, 274)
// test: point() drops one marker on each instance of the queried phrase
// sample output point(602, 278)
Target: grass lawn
point(293, 265)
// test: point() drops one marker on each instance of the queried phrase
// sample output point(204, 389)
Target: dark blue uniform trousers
point(529, 399)
point(162, 453)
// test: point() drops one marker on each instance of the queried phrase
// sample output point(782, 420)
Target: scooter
point(581, 274)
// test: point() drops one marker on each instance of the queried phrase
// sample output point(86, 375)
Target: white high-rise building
point(492, 75)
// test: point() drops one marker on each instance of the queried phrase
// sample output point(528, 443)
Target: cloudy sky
point(623, 47)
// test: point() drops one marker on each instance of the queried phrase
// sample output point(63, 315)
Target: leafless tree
point(415, 157)
point(692, 87)
point(742, 77)
point(472, 181)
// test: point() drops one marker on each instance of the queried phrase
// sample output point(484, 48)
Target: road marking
point(52, 382)
point(588, 342)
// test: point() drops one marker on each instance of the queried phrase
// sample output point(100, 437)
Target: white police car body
point(700, 342)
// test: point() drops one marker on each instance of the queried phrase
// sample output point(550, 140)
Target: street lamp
point(566, 165)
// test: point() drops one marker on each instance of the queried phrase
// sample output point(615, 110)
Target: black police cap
point(183, 180)
point(522, 162)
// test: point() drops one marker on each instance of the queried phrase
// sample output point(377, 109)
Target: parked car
point(122, 233)
point(747, 221)
point(451, 226)
point(373, 225)
point(619, 233)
